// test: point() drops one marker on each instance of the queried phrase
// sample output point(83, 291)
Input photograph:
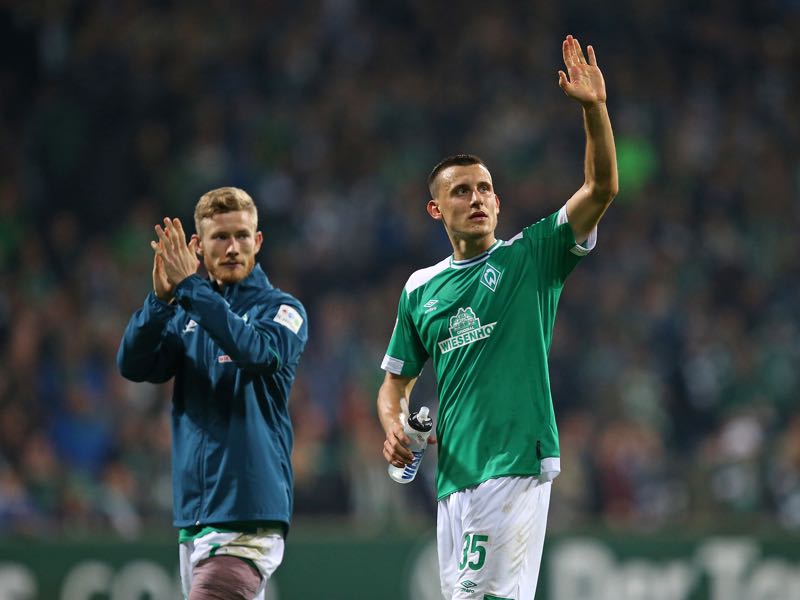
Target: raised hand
point(178, 258)
point(585, 82)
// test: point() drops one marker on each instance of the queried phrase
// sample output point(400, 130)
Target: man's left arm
point(264, 342)
point(586, 85)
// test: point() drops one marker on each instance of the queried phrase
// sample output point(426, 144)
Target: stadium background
point(676, 354)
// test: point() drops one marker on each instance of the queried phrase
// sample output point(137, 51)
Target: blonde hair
point(223, 200)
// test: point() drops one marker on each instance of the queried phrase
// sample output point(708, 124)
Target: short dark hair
point(456, 160)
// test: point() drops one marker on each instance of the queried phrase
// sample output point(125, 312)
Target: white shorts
point(490, 539)
point(264, 549)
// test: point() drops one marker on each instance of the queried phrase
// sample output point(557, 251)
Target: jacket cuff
point(185, 290)
point(159, 308)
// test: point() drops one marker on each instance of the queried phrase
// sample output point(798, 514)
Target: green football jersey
point(486, 323)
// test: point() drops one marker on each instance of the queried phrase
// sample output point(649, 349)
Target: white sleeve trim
point(393, 365)
point(549, 468)
point(513, 239)
point(423, 276)
point(578, 249)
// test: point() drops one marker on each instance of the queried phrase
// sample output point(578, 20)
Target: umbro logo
point(467, 585)
point(430, 305)
point(191, 326)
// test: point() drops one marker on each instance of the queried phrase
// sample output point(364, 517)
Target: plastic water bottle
point(417, 427)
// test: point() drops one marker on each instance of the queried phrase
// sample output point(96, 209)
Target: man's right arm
point(393, 389)
point(148, 352)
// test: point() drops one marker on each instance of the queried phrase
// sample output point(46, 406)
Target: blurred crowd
point(675, 364)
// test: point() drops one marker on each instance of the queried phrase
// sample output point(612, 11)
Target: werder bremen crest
point(465, 328)
point(490, 276)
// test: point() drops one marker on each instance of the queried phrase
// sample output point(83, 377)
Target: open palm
point(585, 82)
point(162, 286)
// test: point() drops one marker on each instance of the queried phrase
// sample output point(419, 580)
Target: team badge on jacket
point(289, 317)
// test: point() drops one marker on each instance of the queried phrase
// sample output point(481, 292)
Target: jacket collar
point(256, 282)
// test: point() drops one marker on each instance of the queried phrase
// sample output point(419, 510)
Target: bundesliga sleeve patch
point(289, 317)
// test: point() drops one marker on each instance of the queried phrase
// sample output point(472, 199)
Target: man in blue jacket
point(232, 342)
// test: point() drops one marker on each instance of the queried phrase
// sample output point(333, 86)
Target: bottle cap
point(421, 420)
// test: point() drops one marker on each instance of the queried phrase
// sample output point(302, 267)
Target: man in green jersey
point(485, 316)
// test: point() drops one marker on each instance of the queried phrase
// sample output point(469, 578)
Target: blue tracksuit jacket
point(233, 355)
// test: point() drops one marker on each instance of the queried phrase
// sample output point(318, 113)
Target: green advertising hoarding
point(342, 565)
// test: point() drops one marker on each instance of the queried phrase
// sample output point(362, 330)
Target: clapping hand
point(174, 259)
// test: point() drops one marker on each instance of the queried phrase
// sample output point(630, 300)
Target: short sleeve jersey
point(486, 323)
